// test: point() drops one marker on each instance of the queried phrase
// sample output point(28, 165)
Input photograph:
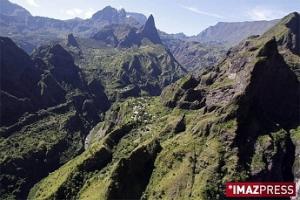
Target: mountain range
point(30, 32)
point(112, 108)
point(231, 33)
point(19, 24)
point(18, 20)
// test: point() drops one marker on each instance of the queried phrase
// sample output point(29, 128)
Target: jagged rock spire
point(71, 41)
point(149, 31)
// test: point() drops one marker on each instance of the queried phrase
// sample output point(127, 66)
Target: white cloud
point(77, 12)
point(74, 12)
point(260, 13)
point(32, 3)
point(88, 13)
point(200, 12)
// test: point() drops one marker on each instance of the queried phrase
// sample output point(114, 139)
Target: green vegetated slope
point(141, 67)
point(47, 110)
point(238, 121)
point(52, 99)
point(136, 71)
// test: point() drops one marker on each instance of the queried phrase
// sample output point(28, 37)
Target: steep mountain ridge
point(46, 111)
point(287, 32)
point(20, 84)
point(231, 33)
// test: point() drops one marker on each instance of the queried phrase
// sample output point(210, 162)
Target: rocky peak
point(21, 85)
point(55, 54)
point(71, 41)
point(125, 36)
point(59, 57)
point(122, 12)
point(61, 64)
point(293, 38)
point(16, 68)
point(108, 13)
point(13, 59)
point(292, 19)
point(149, 31)
point(150, 23)
point(287, 32)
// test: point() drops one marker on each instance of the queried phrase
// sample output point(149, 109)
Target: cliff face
point(20, 86)
point(46, 111)
point(272, 108)
point(287, 32)
point(236, 122)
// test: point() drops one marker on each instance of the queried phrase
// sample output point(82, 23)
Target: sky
point(171, 16)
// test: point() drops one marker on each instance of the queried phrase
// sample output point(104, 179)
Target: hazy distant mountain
point(137, 16)
point(107, 14)
point(232, 33)
point(166, 36)
point(11, 9)
point(17, 23)
point(117, 28)
point(206, 48)
point(194, 55)
point(29, 31)
point(113, 16)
